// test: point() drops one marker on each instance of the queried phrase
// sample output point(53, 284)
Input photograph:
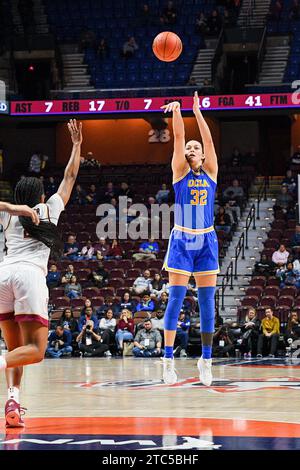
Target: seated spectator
point(129, 47)
point(288, 276)
point(115, 251)
point(222, 220)
point(87, 304)
point(295, 159)
point(59, 343)
point(182, 335)
point(92, 197)
point(192, 290)
point(235, 193)
point(79, 196)
point(68, 322)
point(145, 17)
point(108, 324)
point(214, 23)
point(290, 182)
point(68, 274)
point(158, 321)
point(102, 249)
point(90, 161)
point(157, 286)
point(162, 196)
point(264, 267)
point(295, 11)
point(269, 337)
point(146, 304)
point(127, 303)
point(142, 284)
point(250, 331)
point(88, 251)
point(192, 82)
point(51, 187)
point(73, 289)
point(103, 49)
point(233, 210)
point(223, 342)
point(125, 190)
point(201, 23)
point(71, 248)
point(280, 256)
point(163, 302)
point(236, 157)
point(295, 241)
point(125, 329)
point(147, 250)
point(53, 277)
point(88, 315)
point(99, 276)
point(108, 305)
point(293, 327)
point(169, 13)
point(90, 341)
point(109, 192)
point(284, 200)
point(147, 342)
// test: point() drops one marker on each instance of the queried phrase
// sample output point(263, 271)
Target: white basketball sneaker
point(205, 373)
point(169, 374)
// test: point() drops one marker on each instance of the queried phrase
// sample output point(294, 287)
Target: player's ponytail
point(29, 191)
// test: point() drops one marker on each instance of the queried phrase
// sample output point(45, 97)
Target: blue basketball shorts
point(192, 254)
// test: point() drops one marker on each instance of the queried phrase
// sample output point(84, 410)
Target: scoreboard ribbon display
point(139, 105)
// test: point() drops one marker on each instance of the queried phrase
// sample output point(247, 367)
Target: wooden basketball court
point(115, 403)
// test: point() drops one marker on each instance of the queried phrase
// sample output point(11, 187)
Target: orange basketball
point(167, 46)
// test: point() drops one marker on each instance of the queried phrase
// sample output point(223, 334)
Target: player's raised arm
point(179, 163)
point(210, 164)
point(71, 171)
point(24, 211)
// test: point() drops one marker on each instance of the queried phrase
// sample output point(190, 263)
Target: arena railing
point(226, 281)
point(262, 194)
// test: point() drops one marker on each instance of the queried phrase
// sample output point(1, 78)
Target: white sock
point(3, 363)
point(13, 394)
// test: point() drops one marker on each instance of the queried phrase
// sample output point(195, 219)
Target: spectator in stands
point(235, 193)
point(90, 341)
point(251, 157)
point(35, 163)
point(295, 159)
point(288, 276)
point(264, 267)
point(125, 190)
point(290, 181)
point(102, 249)
point(158, 320)
point(250, 331)
point(223, 342)
point(147, 342)
point(227, 19)
point(270, 334)
point(201, 24)
point(276, 10)
point(99, 276)
point(108, 305)
point(68, 274)
point(280, 256)
point(103, 49)
point(169, 14)
point(87, 40)
point(79, 196)
point(108, 324)
point(182, 335)
point(283, 200)
point(92, 197)
point(214, 23)
point(71, 248)
point(88, 251)
point(146, 17)
point(222, 220)
point(59, 343)
point(192, 290)
point(293, 327)
point(157, 286)
point(125, 329)
point(142, 284)
point(127, 303)
point(295, 11)
point(192, 82)
point(147, 250)
point(236, 157)
point(88, 315)
point(295, 241)
point(87, 304)
point(163, 194)
point(109, 192)
point(163, 301)
point(73, 289)
point(68, 322)
point(130, 47)
point(51, 187)
point(53, 277)
point(115, 251)
point(146, 304)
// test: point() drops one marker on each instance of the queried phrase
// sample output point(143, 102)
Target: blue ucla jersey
point(194, 201)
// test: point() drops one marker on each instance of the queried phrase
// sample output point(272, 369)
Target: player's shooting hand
point(196, 103)
point(171, 107)
point(75, 131)
point(24, 211)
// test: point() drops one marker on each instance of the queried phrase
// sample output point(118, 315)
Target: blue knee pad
point(176, 298)
point(206, 300)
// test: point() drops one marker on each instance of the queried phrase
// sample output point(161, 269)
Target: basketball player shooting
point(31, 232)
point(193, 244)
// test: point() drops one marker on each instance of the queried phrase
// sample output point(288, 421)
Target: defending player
point(193, 244)
point(30, 235)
